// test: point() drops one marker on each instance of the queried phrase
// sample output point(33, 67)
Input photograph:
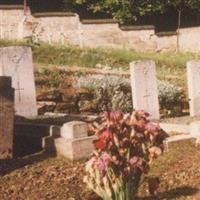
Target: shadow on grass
point(173, 193)
point(7, 166)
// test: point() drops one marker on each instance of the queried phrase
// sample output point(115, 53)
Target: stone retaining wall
point(59, 96)
point(67, 28)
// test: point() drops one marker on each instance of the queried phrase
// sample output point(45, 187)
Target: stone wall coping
point(54, 14)
point(137, 28)
point(11, 7)
point(166, 34)
point(36, 124)
point(99, 21)
point(72, 123)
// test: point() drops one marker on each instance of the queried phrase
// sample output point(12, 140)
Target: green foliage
point(170, 66)
point(110, 92)
point(54, 77)
point(127, 11)
point(114, 92)
point(181, 4)
point(169, 94)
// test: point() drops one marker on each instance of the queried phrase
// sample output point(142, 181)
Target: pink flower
point(103, 162)
point(115, 118)
point(152, 127)
point(136, 161)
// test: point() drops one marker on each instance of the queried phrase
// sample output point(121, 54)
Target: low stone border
point(166, 34)
point(54, 14)
point(178, 128)
point(8, 7)
point(137, 28)
point(99, 21)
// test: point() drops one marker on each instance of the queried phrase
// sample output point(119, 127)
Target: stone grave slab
point(144, 87)
point(6, 117)
point(16, 61)
point(193, 78)
point(74, 142)
point(177, 138)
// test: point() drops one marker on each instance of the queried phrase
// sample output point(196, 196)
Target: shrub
point(169, 94)
point(111, 92)
point(114, 92)
point(125, 148)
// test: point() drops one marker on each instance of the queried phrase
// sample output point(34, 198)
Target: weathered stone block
point(75, 149)
point(74, 129)
point(85, 106)
point(66, 107)
point(68, 95)
point(45, 106)
point(54, 95)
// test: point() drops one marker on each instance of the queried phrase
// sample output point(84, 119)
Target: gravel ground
point(45, 177)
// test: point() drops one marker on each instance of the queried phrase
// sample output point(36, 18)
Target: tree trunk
point(178, 31)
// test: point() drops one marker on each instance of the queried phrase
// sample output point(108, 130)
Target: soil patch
point(42, 176)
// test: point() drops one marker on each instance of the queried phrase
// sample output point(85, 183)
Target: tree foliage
point(125, 11)
point(182, 4)
point(128, 11)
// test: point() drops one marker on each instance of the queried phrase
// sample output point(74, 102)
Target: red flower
point(104, 138)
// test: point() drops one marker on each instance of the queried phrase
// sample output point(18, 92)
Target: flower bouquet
point(125, 147)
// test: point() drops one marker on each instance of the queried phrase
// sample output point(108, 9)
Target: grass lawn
point(170, 66)
point(45, 177)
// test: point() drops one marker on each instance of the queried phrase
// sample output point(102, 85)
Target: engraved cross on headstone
point(146, 97)
point(145, 72)
point(19, 90)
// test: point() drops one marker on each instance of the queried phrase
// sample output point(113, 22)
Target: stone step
point(31, 138)
point(48, 144)
point(36, 130)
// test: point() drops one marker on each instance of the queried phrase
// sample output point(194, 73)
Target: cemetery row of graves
point(23, 132)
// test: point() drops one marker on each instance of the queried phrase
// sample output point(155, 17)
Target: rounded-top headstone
point(5, 82)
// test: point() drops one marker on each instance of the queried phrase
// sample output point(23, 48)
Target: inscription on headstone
point(144, 87)
point(6, 117)
point(193, 78)
point(17, 63)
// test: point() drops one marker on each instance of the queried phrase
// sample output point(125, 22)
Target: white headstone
point(193, 78)
point(17, 62)
point(144, 87)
